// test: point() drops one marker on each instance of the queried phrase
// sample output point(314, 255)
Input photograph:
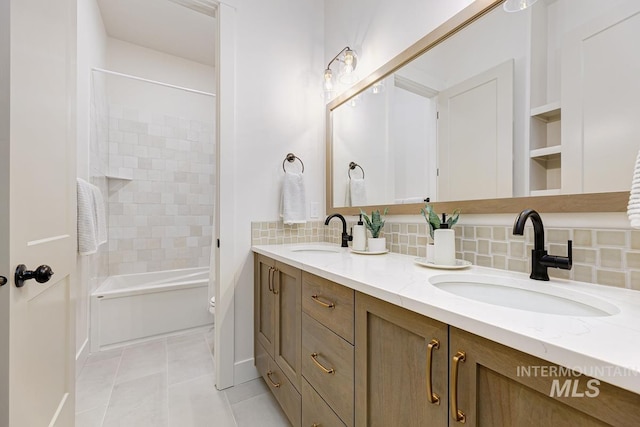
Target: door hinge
point(218, 242)
point(437, 115)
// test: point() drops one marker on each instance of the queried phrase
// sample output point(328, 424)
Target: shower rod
point(129, 76)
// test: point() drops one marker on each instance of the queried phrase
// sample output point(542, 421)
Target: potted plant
point(375, 224)
point(433, 219)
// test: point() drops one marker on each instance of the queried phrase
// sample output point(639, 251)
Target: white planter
point(378, 244)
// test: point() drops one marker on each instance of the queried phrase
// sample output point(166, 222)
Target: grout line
point(113, 385)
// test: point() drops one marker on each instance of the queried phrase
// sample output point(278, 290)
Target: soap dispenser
point(444, 240)
point(359, 236)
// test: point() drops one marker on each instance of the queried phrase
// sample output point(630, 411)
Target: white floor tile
point(262, 410)
point(197, 403)
point(246, 390)
point(94, 385)
point(141, 402)
point(188, 358)
point(91, 418)
point(141, 360)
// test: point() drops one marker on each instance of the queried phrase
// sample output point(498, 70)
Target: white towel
point(293, 202)
point(357, 192)
point(92, 228)
point(633, 208)
point(410, 200)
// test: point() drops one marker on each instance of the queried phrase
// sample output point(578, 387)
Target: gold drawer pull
point(276, 385)
point(314, 357)
point(329, 304)
point(276, 277)
point(431, 396)
point(271, 270)
point(456, 413)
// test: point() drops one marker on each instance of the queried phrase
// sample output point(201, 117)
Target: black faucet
point(540, 260)
point(345, 236)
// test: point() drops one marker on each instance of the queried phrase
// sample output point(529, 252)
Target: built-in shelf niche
point(545, 144)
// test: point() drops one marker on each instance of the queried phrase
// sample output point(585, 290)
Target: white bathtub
point(132, 307)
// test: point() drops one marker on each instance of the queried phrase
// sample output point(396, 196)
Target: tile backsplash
point(604, 256)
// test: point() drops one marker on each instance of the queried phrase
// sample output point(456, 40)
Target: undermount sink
point(316, 248)
point(528, 295)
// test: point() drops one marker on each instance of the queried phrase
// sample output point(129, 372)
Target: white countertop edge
point(617, 357)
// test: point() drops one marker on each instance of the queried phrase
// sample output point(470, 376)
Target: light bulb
point(328, 77)
point(517, 5)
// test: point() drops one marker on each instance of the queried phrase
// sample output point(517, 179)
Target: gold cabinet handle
point(456, 413)
point(271, 269)
point(329, 304)
point(431, 396)
point(276, 385)
point(314, 357)
point(275, 279)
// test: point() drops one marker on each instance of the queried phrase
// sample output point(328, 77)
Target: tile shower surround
point(604, 256)
point(162, 218)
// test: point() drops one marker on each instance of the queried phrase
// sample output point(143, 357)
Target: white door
point(600, 107)
point(475, 137)
point(37, 211)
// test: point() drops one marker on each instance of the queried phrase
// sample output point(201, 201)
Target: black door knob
point(3, 280)
point(42, 274)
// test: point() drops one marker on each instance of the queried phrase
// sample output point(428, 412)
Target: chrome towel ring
point(352, 166)
point(291, 158)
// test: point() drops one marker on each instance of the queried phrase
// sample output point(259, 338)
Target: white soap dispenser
point(359, 236)
point(444, 240)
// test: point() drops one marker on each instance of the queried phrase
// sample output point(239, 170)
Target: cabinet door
point(500, 386)
point(287, 291)
point(392, 376)
point(264, 302)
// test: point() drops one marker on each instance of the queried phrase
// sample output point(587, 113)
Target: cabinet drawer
point(318, 293)
point(322, 351)
point(285, 393)
point(315, 411)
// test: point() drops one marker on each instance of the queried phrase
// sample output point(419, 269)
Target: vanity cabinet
point(277, 324)
point(336, 357)
point(499, 386)
point(327, 348)
point(401, 366)
point(478, 382)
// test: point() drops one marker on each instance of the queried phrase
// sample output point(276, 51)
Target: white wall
point(279, 109)
point(379, 29)
point(92, 40)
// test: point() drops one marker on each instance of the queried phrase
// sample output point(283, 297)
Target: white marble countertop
point(606, 347)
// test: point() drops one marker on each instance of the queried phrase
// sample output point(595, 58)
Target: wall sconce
point(349, 59)
point(517, 5)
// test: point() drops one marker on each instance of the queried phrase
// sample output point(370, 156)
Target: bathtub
point(131, 307)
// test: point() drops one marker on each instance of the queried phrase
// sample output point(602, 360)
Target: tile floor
point(168, 382)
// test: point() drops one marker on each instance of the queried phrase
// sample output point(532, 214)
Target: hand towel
point(293, 202)
point(92, 226)
point(633, 208)
point(358, 192)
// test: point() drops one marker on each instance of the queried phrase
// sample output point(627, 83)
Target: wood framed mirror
point(554, 129)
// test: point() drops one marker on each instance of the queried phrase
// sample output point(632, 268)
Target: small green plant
point(434, 220)
point(375, 223)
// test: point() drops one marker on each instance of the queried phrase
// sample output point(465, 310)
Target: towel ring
point(352, 166)
point(291, 158)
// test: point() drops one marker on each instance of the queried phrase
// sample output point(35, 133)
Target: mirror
point(472, 118)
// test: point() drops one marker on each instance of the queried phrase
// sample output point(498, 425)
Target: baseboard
point(81, 356)
point(244, 370)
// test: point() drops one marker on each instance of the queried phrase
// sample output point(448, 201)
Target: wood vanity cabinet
point(494, 389)
point(479, 382)
point(401, 366)
point(277, 324)
point(336, 357)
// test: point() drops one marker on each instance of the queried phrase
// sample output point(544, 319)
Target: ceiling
point(162, 25)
